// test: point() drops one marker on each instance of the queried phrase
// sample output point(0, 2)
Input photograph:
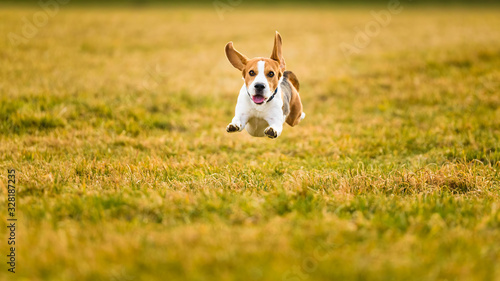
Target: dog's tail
point(292, 78)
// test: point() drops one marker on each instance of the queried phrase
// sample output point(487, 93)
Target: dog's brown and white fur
point(269, 97)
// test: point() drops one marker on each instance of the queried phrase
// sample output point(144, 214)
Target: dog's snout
point(260, 86)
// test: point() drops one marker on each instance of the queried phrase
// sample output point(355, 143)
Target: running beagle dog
point(269, 96)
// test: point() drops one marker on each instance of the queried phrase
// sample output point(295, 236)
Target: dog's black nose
point(260, 86)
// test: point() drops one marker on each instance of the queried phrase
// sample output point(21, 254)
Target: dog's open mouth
point(258, 99)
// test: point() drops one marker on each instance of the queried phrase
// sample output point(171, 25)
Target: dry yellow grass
point(114, 120)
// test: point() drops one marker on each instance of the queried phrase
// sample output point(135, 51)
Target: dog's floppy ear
point(237, 59)
point(277, 55)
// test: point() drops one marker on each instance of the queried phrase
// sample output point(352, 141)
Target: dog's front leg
point(240, 118)
point(275, 126)
point(238, 123)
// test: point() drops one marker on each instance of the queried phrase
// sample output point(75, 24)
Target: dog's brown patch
point(286, 95)
point(290, 86)
point(290, 76)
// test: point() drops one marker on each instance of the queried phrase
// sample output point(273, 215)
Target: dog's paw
point(271, 133)
point(232, 128)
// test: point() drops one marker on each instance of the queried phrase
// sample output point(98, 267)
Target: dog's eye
point(251, 73)
point(270, 74)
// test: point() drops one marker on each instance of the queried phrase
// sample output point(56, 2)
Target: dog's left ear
point(237, 59)
point(277, 55)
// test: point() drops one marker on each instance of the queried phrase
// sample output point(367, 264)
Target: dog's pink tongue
point(258, 99)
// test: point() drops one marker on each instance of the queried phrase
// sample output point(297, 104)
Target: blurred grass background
point(260, 2)
point(114, 119)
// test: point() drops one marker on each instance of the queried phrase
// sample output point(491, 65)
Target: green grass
point(115, 123)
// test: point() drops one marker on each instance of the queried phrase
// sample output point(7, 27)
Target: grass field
point(114, 120)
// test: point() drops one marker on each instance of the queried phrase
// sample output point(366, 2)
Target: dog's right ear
point(237, 59)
